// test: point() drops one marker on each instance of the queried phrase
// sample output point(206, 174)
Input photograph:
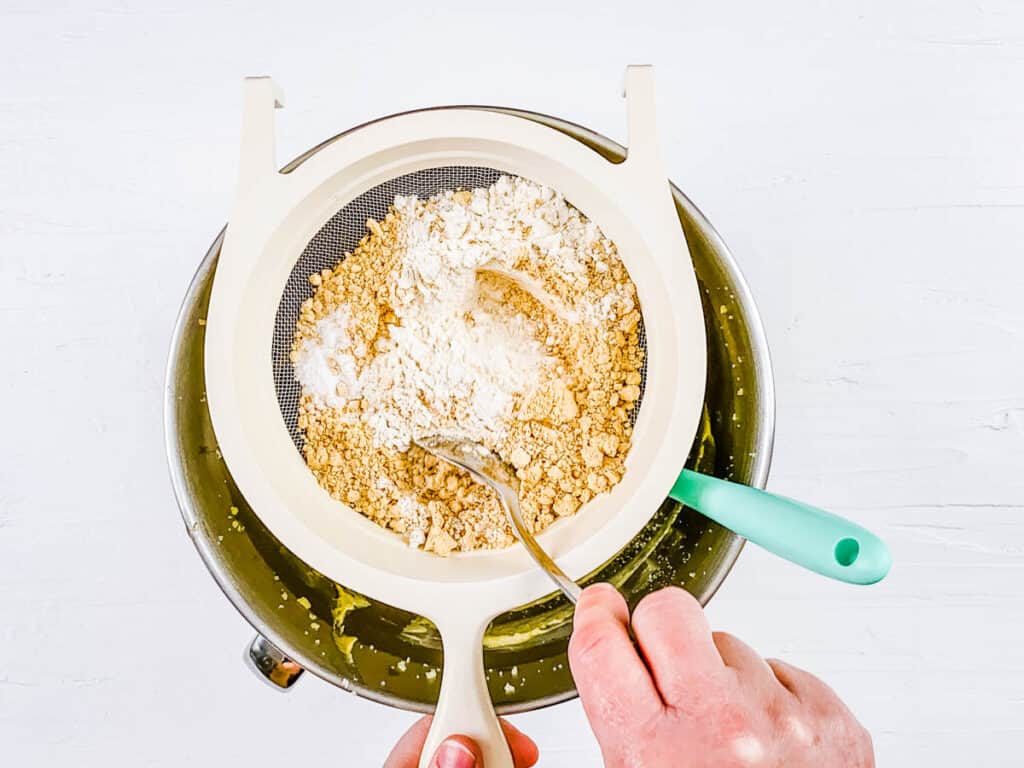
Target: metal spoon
point(533, 287)
point(492, 471)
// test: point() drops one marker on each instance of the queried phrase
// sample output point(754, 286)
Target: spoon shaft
point(489, 470)
point(569, 587)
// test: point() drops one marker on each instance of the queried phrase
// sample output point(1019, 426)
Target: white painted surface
point(865, 163)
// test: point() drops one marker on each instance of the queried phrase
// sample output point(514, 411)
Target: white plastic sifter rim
point(274, 217)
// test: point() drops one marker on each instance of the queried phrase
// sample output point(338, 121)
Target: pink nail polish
point(452, 754)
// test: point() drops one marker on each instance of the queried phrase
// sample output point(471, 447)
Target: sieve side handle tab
point(257, 160)
point(464, 703)
point(643, 150)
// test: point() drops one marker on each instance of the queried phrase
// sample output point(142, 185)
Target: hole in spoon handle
point(846, 551)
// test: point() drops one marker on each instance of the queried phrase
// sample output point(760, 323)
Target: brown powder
point(567, 440)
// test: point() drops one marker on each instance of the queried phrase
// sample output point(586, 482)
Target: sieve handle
point(643, 154)
point(818, 540)
point(257, 156)
point(464, 704)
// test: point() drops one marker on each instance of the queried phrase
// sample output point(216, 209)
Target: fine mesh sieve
point(340, 235)
point(278, 237)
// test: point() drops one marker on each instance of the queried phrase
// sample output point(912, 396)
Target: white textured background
point(865, 161)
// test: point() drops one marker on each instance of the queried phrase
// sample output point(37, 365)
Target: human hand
point(457, 751)
point(686, 697)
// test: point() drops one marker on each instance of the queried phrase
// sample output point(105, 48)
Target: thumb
point(458, 752)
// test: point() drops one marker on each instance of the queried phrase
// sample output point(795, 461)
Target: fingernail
point(453, 754)
point(602, 586)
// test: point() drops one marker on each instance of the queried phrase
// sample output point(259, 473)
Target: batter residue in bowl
point(425, 328)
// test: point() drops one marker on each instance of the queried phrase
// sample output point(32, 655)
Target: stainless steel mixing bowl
point(306, 621)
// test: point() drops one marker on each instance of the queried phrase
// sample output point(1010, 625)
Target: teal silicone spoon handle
point(811, 537)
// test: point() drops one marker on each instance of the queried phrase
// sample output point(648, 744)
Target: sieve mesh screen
point(341, 234)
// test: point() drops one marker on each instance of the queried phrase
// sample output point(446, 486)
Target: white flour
point(451, 364)
point(333, 381)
